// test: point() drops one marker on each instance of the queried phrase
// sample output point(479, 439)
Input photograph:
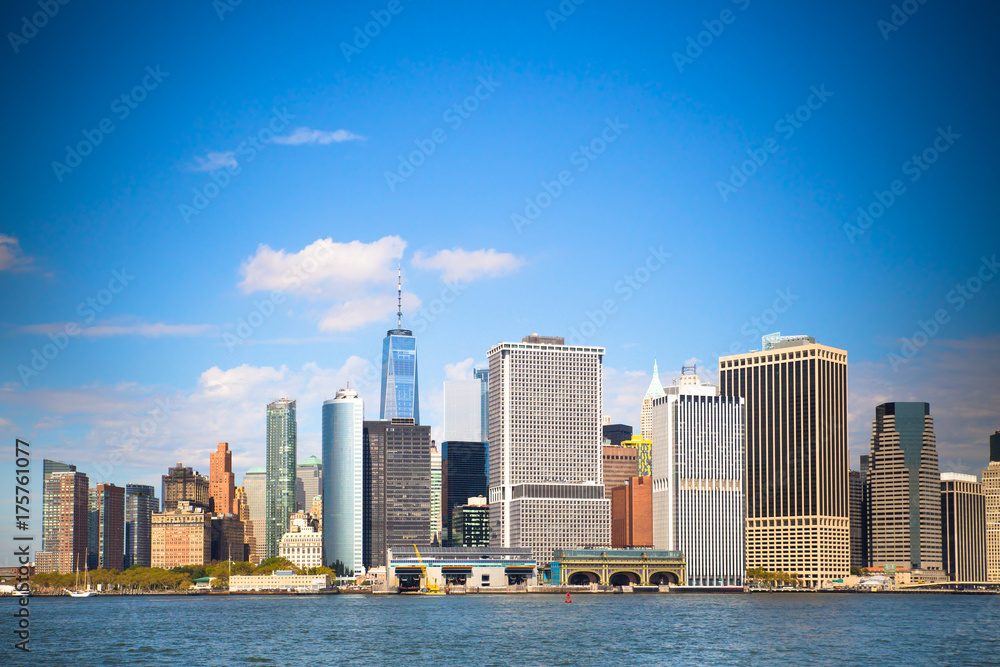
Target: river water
point(636, 629)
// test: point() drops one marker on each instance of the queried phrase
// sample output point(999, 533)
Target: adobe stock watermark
point(128, 439)
point(581, 158)
point(219, 179)
point(439, 305)
point(898, 17)
point(381, 18)
point(88, 310)
point(263, 310)
point(786, 126)
point(627, 287)
point(957, 299)
point(456, 114)
point(714, 28)
point(915, 167)
point(223, 7)
point(562, 12)
point(760, 324)
point(31, 25)
point(122, 107)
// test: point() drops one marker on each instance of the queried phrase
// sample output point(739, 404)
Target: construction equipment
point(431, 588)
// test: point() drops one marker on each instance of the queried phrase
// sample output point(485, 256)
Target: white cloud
point(11, 257)
point(324, 268)
point(357, 313)
point(119, 327)
point(460, 370)
point(305, 135)
point(215, 160)
point(467, 265)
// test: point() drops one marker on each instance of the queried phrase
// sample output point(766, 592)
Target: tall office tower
point(463, 477)
point(616, 433)
point(140, 503)
point(620, 465)
point(222, 481)
point(796, 425)
point(49, 467)
point(654, 392)
point(255, 487)
point(991, 489)
point(400, 397)
point(397, 487)
point(463, 416)
point(546, 484)
point(242, 506)
point(866, 513)
point(182, 536)
point(110, 526)
point(280, 490)
point(308, 482)
point(65, 500)
point(855, 495)
point(184, 484)
point(343, 483)
point(632, 514)
point(698, 490)
point(93, 529)
point(483, 375)
point(963, 527)
point(436, 523)
point(227, 541)
point(905, 488)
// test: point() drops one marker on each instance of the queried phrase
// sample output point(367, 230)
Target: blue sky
point(649, 186)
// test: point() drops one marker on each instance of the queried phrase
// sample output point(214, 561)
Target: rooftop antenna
point(399, 296)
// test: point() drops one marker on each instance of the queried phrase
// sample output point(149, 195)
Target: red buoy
point(567, 597)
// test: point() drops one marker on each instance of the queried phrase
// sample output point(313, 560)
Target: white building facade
point(546, 488)
point(698, 488)
point(303, 548)
point(343, 466)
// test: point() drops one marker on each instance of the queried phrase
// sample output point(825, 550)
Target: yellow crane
point(432, 588)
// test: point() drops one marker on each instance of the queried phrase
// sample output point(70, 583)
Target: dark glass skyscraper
point(400, 397)
point(396, 487)
point(464, 468)
point(140, 503)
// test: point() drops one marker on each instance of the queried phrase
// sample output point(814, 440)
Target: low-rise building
point(303, 547)
point(495, 567)
point(618, 567)
point(280, 580)
point(470, 524)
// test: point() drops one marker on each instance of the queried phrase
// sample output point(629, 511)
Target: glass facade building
point(464, 476)
point(343, 458)
point(280, 488)
point(140, 503)
point(254, 486)
point(400, 391)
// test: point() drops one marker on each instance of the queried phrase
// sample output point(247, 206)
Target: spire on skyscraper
point(399, 296)
point(655, 387)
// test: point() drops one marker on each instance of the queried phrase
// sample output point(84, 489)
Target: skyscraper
point(400, 397)
point(280, 489)
point(463, 477)
point(796, 425)
point(110, 526)
point(50, 467)
point(654, 391)
point(991, 489)
point(632, 514)
point(309, 482)
point(140, 503)
point(463, 416)
point(856, 494)
point(222, 481)
point(963, 527)
point(436, 523)
point(343, 482)
point(242, 507)
point(185, 484)
point(546, 486)
point(255, 488)
point(66, 503)
point(905, 488)
point(866, 512)
point(397, 487)
point(483, 375)
point(698, 489)
point(620, 465)
point(616, 433)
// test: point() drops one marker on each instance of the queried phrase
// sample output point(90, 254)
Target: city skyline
point(203, 276)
